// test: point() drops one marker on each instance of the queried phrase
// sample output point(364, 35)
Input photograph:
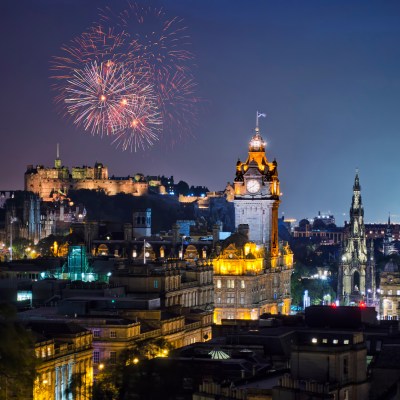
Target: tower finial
point(258, 115)
point(57, 162)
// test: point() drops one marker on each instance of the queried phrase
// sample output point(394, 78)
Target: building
point(326, 365)
point(49, 182)
point(244, 286)
point(252, 269)
point(357, 265)
point(64, 360)
point(389, 246)
point(257, 192)
point(390, 291)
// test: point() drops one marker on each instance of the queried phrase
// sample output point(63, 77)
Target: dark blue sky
point(327, 73)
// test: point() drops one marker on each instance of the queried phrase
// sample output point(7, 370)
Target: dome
point(391, 266)
point(257, 143)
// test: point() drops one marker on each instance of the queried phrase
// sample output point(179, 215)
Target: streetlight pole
point(12, 220)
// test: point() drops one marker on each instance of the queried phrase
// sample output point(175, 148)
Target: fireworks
point(102, 97)
point(129, 77)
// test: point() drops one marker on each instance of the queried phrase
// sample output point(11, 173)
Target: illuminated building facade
point(256, 195)
point(246, 284)
point(64, 354)
point(390, 291)
point(252, 269)
point(49, 182)
point(356, 279)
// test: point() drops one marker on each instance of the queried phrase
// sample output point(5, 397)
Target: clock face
point(253, 186)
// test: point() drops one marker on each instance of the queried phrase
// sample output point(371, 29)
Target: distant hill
point(166, 210)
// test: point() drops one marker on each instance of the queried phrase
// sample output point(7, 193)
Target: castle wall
point(43, 181)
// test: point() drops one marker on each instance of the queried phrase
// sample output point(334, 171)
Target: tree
point(17, 357)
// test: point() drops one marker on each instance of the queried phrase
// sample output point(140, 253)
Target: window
point(96, 334)
point(347, 341)
point(314, 340)
point(241, 298)
point(219, 283)
point(113, 334)
point(96, 357)
point(335, 341)
point(230, 299)
point(242, 284)
point(230, 283)
point(218, 300)
point(398, 293)
point(155, 284)
point(390, 292)
point(345, 366)
point(324, 340)
point(113, 357)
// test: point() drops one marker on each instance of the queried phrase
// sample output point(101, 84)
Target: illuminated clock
point(253, 186)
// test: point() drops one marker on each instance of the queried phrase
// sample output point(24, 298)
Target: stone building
point(64, 353)
point(257, 192)
point(252, 269)
point(245, 286)
point(48, 182)
point(326, 365)
point(356, 280)
point(390, 291)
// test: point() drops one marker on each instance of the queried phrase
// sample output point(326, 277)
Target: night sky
point(326, 73)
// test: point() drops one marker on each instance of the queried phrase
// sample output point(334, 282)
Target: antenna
point(58, 150)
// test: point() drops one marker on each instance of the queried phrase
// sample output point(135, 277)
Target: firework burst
point(130, 77)
point(102, 97)
point(142, 126)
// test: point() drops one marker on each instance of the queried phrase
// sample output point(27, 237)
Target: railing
point(150, 334)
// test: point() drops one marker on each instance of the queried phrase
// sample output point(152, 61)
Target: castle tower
point(355, 268)
point(256, 194)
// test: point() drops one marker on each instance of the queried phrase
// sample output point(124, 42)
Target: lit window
point(230, 284)
point(230, 299)
point(113, 334)
point(390, 292)
point(242, 284)
point(155, 284)
point(335, 341)
point(346, 341)
point(219, 284)
point(324, 340)
point(314, 340)
point(398, 293)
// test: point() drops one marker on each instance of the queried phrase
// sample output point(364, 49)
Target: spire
point(389, 219)
point(257, 142)
point(356, 185)
point(57, 162)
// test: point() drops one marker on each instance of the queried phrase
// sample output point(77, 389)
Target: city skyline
point(326, 75)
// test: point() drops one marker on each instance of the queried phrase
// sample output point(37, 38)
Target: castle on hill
point(49, 182)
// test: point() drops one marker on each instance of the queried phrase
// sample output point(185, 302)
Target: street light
point(12, 220)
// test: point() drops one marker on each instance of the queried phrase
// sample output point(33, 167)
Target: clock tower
point(256, 194)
